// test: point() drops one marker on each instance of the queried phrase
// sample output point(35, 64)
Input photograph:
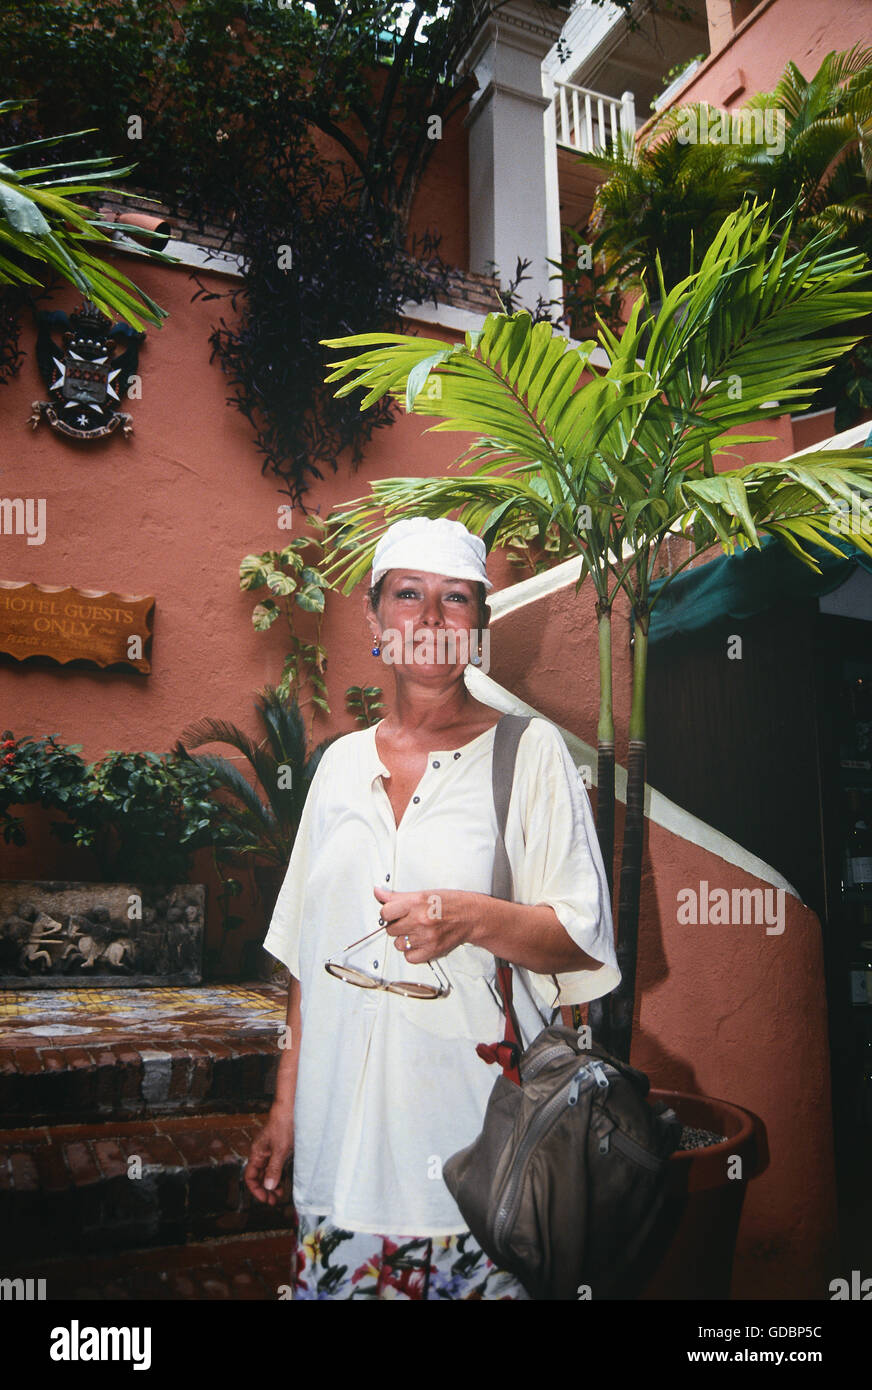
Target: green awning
point(738, 586)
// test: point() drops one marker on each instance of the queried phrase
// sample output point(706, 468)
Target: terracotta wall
point(732, 1012)
point(442, 200)
point(804, 31)
point(170, 512)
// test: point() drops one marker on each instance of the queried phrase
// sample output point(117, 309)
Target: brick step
point(112, 1081)
point(252, 1266)
point(72, 1189)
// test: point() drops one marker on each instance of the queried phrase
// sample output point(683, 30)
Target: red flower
point(10, 758)
point(411, 1282)
point(300, 1265)
point(369, 1267)
point(9, 743)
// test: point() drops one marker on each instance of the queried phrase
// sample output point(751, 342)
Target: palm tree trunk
point(623, 998)
point(599, 1009)
point(605, 734)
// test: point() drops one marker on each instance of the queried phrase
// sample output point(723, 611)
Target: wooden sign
point(75, 624)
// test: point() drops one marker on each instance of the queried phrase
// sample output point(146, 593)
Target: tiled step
point(77, 1189)
point(118, 1080)
point(254, 1266)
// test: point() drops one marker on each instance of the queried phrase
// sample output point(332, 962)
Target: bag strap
point(507, 736)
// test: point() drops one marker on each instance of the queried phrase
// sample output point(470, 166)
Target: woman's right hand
point(270, 1150)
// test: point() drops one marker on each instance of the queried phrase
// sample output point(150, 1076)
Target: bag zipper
point(547, 1115)
point(594, 1069)
point(633, 1150)
point(557, 1050)
point(560, 1050)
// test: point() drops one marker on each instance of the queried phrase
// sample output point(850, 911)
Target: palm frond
point(41, 224)
point(795, 500)
point(636, 444)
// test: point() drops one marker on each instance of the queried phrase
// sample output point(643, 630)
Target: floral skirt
point(331, 1263)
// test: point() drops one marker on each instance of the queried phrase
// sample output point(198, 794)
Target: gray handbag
point(564, 1187)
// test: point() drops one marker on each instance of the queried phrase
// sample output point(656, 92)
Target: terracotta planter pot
point(693, 1255)
point(157, 229)
point(258, 964)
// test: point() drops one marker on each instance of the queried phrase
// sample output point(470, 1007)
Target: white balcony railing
point(589, 122)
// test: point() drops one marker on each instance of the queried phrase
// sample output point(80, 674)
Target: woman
point(388, 885)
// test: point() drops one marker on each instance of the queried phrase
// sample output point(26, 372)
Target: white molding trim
point(497, 88)
point(444, 316)
point(197, 257)
point(519, 25)
point(190, 254)
point(468, 320)
point(538, 586)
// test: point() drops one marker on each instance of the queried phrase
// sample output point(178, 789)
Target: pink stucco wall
point(804, 31)
point(170, 511)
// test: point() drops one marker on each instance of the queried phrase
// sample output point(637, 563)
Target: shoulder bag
point(564, 1187)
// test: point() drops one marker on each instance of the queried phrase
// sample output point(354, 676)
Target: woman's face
point(428, 624)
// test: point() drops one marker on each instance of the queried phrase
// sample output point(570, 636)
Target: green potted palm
point(805, 146)
point(614, 463)
point(263, 815)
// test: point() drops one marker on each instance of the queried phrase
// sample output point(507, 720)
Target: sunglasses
point(411, 989)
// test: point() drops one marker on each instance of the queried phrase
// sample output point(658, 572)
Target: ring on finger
point(408, 946)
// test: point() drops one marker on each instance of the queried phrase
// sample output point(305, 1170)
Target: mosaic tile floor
point(36, 1017)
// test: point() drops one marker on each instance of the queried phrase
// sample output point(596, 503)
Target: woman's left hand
point(434, 923)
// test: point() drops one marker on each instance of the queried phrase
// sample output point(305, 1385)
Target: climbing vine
point(302, 131)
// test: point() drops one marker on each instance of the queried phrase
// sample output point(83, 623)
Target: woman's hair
point(375, 594)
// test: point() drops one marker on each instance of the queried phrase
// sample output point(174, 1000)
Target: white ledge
point(444, 316)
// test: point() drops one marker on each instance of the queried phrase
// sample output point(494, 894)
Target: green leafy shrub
point(292, 584)
point(365, 703)
point(41, 771)
point(142, 815)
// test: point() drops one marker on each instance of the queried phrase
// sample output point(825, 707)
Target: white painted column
point(552, 200)
point(628, 114)
point(514, 205)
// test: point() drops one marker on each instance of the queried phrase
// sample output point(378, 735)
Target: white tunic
point(389, 1087)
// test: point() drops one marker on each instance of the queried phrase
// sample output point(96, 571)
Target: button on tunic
point(389, 1087)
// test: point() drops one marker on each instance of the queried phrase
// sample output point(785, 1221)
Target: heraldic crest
point(87, 377)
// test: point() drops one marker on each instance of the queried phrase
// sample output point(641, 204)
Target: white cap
point(432, 546)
